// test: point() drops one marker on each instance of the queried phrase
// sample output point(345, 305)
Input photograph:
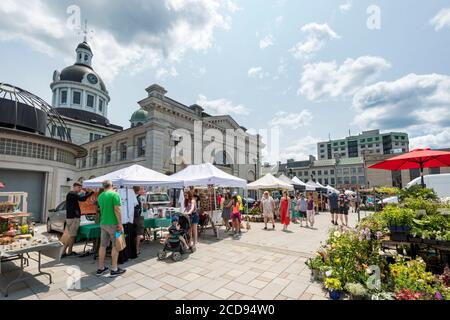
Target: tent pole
point(422, 180)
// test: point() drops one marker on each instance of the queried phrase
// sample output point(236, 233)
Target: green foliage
point(356, 289)
point(417, 191)
point(333, 284)
point(388, 191)
point(400, 217)
point(315, 263)
point(419, 203)
point(432, 227)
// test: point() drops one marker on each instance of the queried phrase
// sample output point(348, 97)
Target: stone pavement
point(268, 265)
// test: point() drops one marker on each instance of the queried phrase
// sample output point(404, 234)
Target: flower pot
point(334, 294)
point(444, 243)
point(315, 274)
point(393, 229)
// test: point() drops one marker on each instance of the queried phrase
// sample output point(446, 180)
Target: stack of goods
point(8, 207)
point(207, 202)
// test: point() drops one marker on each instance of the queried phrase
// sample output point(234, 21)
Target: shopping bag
point(121, 243)
point(65, 237)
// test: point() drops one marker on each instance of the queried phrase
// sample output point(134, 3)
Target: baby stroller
point(173, 244)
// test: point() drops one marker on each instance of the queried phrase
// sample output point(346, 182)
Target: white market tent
point(312, 186)
point(330, 189)
point(270, 182)
point(135, 175)
point(299, 182)
point(350, 193)
point(320, 185)
point(287, 180)
point(204, 175)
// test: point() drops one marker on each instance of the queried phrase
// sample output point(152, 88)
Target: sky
point(309, 70)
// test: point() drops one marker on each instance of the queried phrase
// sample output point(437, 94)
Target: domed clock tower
point(80, 96)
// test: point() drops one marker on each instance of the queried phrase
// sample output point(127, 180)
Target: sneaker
point(102, 272)
point(73, 254)
point(273, 227)
point(265, 228)
point(117, 273)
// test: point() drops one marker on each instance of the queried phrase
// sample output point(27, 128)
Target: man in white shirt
point(268, 208)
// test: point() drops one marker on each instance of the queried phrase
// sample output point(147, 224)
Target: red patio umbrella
point(416, 159)
point(2, 185)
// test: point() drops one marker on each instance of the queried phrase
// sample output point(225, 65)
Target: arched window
point(86, 57)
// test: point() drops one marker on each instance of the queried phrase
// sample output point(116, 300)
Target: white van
point(440, 183)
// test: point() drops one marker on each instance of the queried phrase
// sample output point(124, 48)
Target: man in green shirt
point(110, 223)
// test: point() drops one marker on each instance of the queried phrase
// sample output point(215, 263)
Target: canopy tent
point(297, 181)
point(313, 186)
point(350, 192)
point(320, 185)
point(290, 181)
point(135, 175)
point(416, 159)
point(330, 189)
point(269, 182)
point(206, 174)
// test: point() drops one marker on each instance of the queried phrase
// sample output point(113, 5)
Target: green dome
point(140, 115)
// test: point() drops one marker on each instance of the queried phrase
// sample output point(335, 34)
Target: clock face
point(92, 78)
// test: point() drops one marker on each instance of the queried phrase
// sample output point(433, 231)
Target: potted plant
point(315, 264)
point(357, 291)
point(400, 221)
point(334, 287)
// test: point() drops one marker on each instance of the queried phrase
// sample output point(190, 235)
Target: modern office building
point(368, 142)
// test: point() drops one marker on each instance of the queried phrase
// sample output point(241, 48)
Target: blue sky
point(310, 68)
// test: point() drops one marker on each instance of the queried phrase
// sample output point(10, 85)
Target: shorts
point(108, 234)
point(236, 216)
point(302, 214)
point(139, 226)
point(343, 210)
point(72, 226)
point(195, 218)
point(334, 210)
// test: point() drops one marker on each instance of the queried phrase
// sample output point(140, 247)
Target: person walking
point(293, 210)
point(73, 215)
point(267, 209)
point(344, 203)
point(310, 213)
point(334, 207)
point(110, 224)
point(284, 211)
point(227, 207)
point(236, 216)
point(302, 204)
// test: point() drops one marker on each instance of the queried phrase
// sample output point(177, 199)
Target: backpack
point(138, 208)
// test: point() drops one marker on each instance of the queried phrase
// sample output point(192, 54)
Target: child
point(176, 233)
point(236, 216)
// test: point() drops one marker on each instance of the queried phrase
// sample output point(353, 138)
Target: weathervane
point(85, 32)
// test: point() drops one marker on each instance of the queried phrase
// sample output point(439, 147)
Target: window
point(325, 172)
point(76, 98)
point(360, 170)
point(369, 139)
point(123, 151)
point(361, 181)
point(378, 151)
point(342, 143)
point(313, 173)
point(346, 180)
point(346, 171)
point(396, 137)
point(331, 171)
point(79, 56)
point(320, 180)
point(343, 154)
point(403, 144)
point(325, 181)
point(414, 173)
point(363, 146)
point(377, 138)
point(377, 145)
point(339, 171)
point(90, 101)
point(63, 96)
point(319, 173)
point(100, 105)
point(353, 170)
point(403, 137)
point(141, 147)
point(305, 173)
point(354, 180)
point(339, 180)
point(83, 163)
point(333, 181)
point(342, 149)
point(107, 154)
point(94, 157)
point(322, 157)
point(434, 170)
point(335, 144)
point(322, 146)
point(86, 57)
point(370, 145)
point(336, 149)
point(363, 140)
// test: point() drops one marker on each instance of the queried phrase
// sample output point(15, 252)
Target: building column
point(155, 145)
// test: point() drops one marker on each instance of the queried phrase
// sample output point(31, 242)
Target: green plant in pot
point(357, 291)
point(334, 287)
point(315, 265)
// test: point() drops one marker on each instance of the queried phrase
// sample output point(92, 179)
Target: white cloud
point(419, 104)
point(292, 120)
point(266, 42)
point(221, 106)
point(142, 36)
point(163, 73)
point(345, 6)
point(440, 139)
point(318, 35)
point(441, 19)
point(281, 70)
point(256, 72)
point(301, 149)
point(232, 6)
point(328, 80)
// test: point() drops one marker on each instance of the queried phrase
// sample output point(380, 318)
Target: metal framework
point(19, 95)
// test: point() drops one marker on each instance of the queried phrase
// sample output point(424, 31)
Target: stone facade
point(152, 143)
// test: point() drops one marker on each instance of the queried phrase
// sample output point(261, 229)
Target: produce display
point(357, 262)
point(8, 207)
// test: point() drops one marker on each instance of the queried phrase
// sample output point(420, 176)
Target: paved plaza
point(262, 264)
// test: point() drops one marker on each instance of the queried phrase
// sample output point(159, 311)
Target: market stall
point(298, 185)
point(125, 179)
point(208, 176)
